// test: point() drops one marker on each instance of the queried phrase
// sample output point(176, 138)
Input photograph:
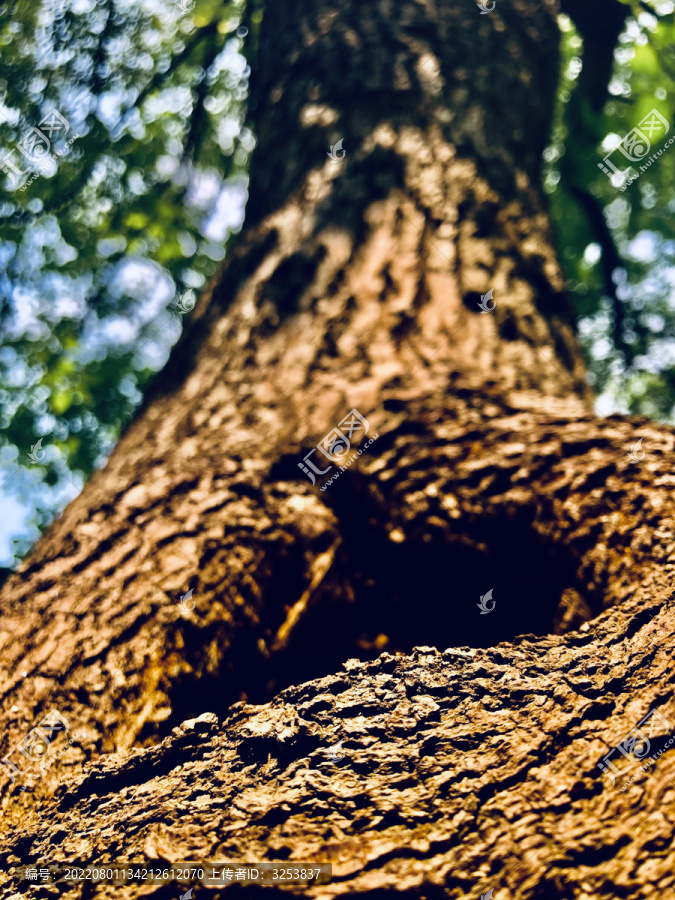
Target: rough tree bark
point(356, 284)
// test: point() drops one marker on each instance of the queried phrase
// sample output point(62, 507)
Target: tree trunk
point(359, 284)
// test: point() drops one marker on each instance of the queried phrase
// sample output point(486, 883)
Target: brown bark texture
point(471, 741)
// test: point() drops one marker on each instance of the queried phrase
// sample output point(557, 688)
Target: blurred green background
point(101, 256)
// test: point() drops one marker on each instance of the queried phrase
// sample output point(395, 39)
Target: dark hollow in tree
point(355, 285)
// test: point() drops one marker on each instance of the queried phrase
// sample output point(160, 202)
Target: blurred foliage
point(618, 247)
point(101, 254)
point(97, 253)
